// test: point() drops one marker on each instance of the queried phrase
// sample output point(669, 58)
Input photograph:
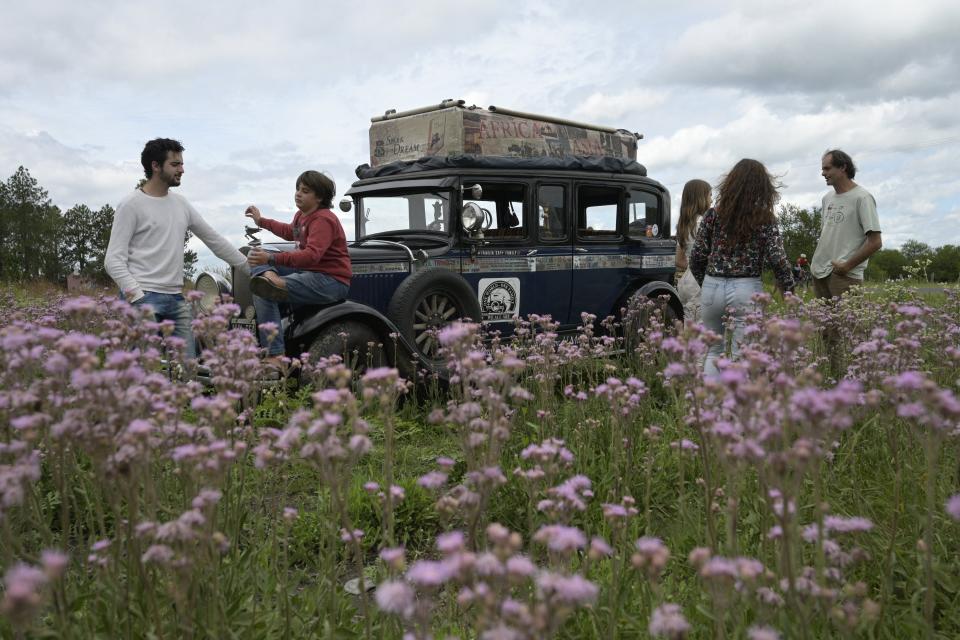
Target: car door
point(599, 276)
point(553, 253)
point(500, 264)
point(651, 253)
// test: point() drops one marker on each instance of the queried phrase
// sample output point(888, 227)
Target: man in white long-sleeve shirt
point(145, 253)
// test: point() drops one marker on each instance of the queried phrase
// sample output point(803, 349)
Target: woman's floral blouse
point(714, 254)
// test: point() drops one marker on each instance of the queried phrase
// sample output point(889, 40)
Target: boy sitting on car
point(317, 271)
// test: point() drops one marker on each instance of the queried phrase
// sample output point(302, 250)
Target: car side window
point(552, 212)
point(506, 204)
point(597, 212)
point(644, 215)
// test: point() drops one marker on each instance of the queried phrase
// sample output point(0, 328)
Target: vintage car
point(489, 238)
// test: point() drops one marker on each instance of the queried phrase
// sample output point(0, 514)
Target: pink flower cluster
point(500, 591)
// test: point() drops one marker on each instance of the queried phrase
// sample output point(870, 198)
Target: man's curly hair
point(745, 200)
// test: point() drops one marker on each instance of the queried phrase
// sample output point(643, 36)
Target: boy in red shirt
point(316, 272)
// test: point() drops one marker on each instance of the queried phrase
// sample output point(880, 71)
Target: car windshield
point(404, 212)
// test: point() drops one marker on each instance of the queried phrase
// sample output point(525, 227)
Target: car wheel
point(427, 301)
point(349, 339)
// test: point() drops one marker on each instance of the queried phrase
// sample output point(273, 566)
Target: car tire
point(634, 329)
point(355, 348)
point(428, 300)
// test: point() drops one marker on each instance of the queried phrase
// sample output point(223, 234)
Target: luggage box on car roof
point(450, 129)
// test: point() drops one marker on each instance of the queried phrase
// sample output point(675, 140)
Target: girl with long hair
point(735, 241)
point(694, 203)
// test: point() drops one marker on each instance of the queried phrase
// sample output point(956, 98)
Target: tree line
point(914, 259)
point(38, 241)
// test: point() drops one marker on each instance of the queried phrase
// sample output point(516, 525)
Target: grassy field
point(555, 489)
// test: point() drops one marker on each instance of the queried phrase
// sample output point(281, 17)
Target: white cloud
point(261, 91)
point(825, 47)
point(603, 108)
point(70, 175)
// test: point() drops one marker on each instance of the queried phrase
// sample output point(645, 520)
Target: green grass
point(303, 563)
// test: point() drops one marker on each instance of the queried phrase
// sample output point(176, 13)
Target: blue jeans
point(717, 296)
point(172, 306)
point(303, 288)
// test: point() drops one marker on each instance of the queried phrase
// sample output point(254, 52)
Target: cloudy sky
point(260, 91)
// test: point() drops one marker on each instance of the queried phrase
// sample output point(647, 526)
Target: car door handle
point(532, 252)
point(580, 250)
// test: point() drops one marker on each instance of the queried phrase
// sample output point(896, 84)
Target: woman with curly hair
point(736, 239)
point(694, 203)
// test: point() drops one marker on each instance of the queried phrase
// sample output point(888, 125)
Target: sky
point(260, 91)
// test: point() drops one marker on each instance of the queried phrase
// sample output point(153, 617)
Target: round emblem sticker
point(656, 230)
point(499, 298)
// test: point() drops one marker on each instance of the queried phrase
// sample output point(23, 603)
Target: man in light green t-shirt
point(850, 232)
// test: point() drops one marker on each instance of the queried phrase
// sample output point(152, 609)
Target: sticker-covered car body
point(551, 240)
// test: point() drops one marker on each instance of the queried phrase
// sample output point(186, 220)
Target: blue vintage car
point(492, 239)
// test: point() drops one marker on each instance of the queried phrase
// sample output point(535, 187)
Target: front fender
point(658, 285)
point(305, 330)
point(345, 309)
point(656, 288)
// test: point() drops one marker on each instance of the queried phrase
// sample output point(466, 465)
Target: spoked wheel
point(433, 312)
point(426, 302)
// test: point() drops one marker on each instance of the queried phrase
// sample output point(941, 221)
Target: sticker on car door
point(499, 299)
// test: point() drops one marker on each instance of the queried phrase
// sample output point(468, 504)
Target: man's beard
point(171, 180)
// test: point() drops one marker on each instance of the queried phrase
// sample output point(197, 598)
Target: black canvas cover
point(600, 164)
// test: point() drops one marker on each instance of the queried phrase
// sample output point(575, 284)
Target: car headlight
point(213, 287)
point(471, 217)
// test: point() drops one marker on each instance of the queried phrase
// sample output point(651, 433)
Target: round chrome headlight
point(471, 217)
point(213, 287)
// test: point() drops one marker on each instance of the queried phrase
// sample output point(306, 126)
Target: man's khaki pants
point(833, 286)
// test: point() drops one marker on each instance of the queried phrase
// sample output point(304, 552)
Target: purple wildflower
point(429, 573)
point(651, 557)
point(953, 507)
point(450, 542)
point(487, 564)
point(573, 590)
point(54, 563)
point(599, 548)
point(157, 554)
point(206, 498)
point(667, 621)
point(520, 566)
point(846, 525)
point(351, 536)
point(560, 538)
point(393, 557)
point(699, 556)
point(762, 633)
point(432, 480)
point(22, 592)
point(100, 545)
point(395, 597)
point(718, 567)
